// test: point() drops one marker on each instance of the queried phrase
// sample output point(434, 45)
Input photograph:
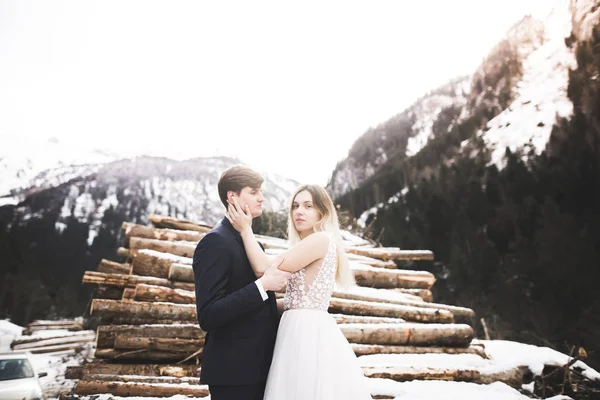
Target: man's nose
point(261, 198)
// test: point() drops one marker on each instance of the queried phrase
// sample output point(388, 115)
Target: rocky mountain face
point(506, 190)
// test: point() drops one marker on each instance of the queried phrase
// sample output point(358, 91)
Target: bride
point(312, 359)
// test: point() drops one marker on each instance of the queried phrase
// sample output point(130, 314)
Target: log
point(375, 297)
point(149, 232)
point(181, 272)
point(162, 221)
point(386, 278)
point(34, 339)
point(510, 376)
point(100, 278)
point(106, 334)
point(391, 253)
point(414, 373)
point(369, 349)
point(143, 379)
point(125, 253)
point(157, 264)
point(452, 335)
point(372, 261)
point(153, 293)
point(129, 293)
point(54, 323)
point(424, 294)
point(116, 388)
point(106, 309)
point(142, 355)
point(356, 319)
point(180, 248)
point(55, 342)
point(125, 342)
point(409, 313)
point(178, 371)
point(56, 348)
point(111, 267)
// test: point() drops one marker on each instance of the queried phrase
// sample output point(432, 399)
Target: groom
point(237, 311)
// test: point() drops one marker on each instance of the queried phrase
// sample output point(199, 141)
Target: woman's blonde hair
point(329, 223)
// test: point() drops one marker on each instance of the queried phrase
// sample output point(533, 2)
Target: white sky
point(192, 78)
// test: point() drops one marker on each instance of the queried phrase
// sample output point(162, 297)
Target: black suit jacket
point(241, 327)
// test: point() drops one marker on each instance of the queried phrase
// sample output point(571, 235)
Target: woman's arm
point(302, 254)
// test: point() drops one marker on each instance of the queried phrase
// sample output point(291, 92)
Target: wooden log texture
point(369, 349)
point(120, 280)
point(111, 267)
point(180, 248)
point(357, 319)
point(143, 379)
point(163, 221)
point(106, 334)
point(409, 334)
point(171, 370)
point(126, 389)
point(154, 293)
point(408, 313)
point(106, 309)
point(157, 264)
point(129, 293)
point(386, 278)
point(424, 294)
point(391, 253)
point(455, 310)
point(143, 355)
point(55, 342)
point(149, 232)
point(33, 339)
point(125, 342)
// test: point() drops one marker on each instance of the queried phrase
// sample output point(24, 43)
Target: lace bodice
point(315, 296)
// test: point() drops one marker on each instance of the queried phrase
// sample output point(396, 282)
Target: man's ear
point(230, 195)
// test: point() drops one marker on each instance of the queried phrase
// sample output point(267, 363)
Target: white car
point(18, 380)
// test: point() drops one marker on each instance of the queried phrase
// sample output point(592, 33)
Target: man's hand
point(274, 279)
point(240, 217)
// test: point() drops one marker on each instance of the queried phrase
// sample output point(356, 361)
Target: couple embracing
point(258, 347)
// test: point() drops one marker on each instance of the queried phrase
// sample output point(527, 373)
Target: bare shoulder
point(319, 241)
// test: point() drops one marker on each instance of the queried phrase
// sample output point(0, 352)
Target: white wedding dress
point(312, 359)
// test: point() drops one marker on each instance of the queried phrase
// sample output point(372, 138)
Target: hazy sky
point(193, 78)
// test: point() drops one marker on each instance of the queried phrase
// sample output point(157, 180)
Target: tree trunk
point(182, 249)
point(142, 355)
point(355, 319)
point(148, 232)
point(162, 221)
point(153, 293)
point(106, 334)
point(126, 342)
point(181, 272)
point(37, 339)
point(424, 294)
point(457, 311)
point(111, 267)
point(407, 334)
point(43, 342)
point(157, 264)
point(100, 278)
point(391, 253)
point(144, 379)
point(178, 371)
point(107, 309)
point(126, 389)
point(386, 278)
point(409, 313)
point(368, 349)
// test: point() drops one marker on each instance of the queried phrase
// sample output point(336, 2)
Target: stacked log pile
point(44, 336)
point(149, 342)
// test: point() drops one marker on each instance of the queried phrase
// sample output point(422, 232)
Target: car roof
point(16, 355)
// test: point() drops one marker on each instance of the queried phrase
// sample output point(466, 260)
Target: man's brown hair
point(236, 178)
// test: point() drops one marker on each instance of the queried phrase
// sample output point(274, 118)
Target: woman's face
point(304, 213)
